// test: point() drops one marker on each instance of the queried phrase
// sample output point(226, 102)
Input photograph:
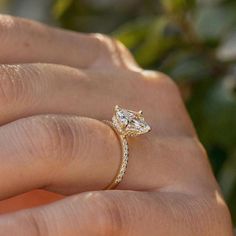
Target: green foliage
point(177, 6)
point(188, 41)
point(60, 7)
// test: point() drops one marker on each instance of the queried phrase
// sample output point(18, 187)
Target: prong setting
point(129, 123)
point(126, 123)
point(140, 112)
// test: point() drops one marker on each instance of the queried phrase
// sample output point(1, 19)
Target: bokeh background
point(193, 41)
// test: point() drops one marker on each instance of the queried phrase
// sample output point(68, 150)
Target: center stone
point(130, 122)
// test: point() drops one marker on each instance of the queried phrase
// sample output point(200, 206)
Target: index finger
point(23, 41)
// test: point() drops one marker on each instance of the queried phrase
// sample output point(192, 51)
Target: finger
point(28, 200)
point(64, 154)
point(122, 213)
point(24, 41)
point(69, 154)
point(32, 89)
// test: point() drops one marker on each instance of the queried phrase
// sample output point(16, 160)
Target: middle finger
point(32, 89)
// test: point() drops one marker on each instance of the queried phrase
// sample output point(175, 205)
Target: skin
point(55, 88)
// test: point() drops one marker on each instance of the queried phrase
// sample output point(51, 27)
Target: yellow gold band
point(124, 160)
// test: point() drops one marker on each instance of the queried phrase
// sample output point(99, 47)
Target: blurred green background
point(192, 41)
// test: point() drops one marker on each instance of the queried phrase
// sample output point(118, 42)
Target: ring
point(126, 123)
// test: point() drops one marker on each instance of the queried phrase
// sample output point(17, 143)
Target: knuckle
point(162, 79)
point(102, 39)
point(170, 86)
point(153, 81)
point(106, 41)
point(113, 51)
point(168, 81)
point(120, 47)
point(52, 136)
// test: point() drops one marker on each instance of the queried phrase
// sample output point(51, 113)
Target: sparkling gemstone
point(130, 122)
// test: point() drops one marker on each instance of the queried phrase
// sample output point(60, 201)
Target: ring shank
point(124, 160)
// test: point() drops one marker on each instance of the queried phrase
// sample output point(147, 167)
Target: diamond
point(129, 122)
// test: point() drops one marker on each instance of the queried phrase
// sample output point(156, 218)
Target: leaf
point(60, 7)
point(175, 6)
point(227, 49)
point(160, 38)
point(186, 65)
point(3, 3)
point(132, 33)
point(220, 113)
point(213, 22)
point(227, 176)
point(227, 179)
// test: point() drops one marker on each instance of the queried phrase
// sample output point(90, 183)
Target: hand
point(52, 138)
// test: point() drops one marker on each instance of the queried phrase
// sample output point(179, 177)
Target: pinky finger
point(98, 213)
point(119, 212)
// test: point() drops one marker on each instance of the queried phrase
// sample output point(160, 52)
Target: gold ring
point(126, 123)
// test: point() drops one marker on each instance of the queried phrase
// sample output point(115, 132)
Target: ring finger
point(64, 154)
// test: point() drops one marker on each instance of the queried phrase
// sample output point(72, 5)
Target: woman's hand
point(51, 138)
